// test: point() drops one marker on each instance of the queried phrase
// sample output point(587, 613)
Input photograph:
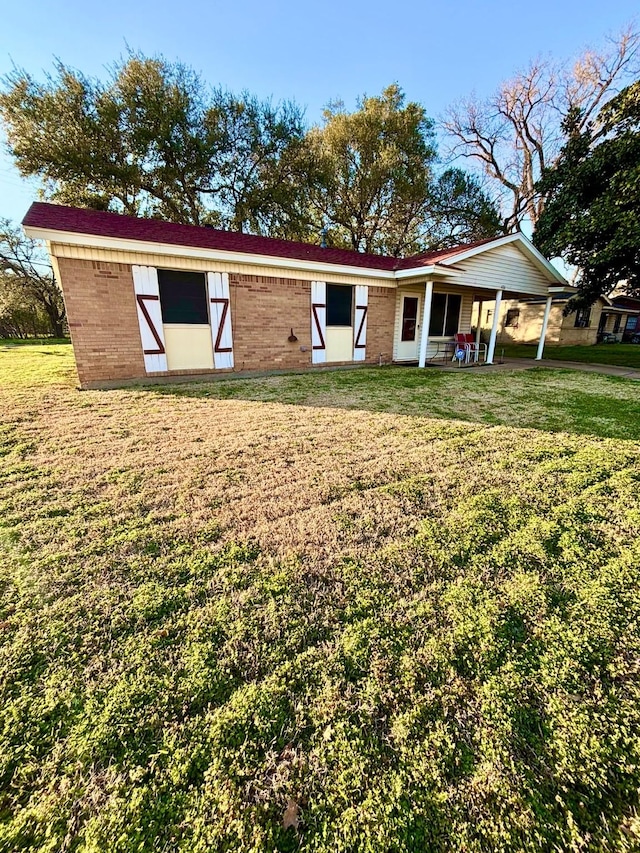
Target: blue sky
point(311, 53)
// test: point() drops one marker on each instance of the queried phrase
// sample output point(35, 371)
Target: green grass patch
point(372, 610)
point(623, 355)
point(24, 364)
point(559, 400)
point(31, 342)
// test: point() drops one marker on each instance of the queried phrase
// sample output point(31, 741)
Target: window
point(632, 322)
point(583, 317)
point(616, 324)
point(513, 316)
point(445, 315)
point(339, 304)
point(183, 297)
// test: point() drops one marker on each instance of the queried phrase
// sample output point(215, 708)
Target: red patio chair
point(473, 351)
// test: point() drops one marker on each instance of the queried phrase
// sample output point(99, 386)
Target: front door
point(409, 327)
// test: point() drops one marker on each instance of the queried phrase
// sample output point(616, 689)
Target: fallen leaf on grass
point(290, 815)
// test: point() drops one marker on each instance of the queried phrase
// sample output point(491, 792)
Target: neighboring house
point(629, 309)
point(520, 320)
point(147, 298)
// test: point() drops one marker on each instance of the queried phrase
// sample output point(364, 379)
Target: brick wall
point(103, 320)
point(104, 325)
point(571, 335)
point(380, 321)
point(561, 330)
point(263, 313)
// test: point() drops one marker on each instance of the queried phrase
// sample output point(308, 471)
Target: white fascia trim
point(426, 272)
point(525, 244)
point(92, 241)
point(141, 246)
point(567, 289)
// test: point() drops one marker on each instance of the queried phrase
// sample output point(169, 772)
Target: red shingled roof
point(57, 217)
point(630, 303)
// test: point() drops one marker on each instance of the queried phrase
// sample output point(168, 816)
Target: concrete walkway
point(530, 363)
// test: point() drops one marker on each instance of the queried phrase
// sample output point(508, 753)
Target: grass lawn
point(625, 355)
point(373, 610)
point(27, 342)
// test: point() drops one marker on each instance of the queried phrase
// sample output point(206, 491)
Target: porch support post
point(494, 328)
point(479, 330)
point(543, 332)
point(426, 319)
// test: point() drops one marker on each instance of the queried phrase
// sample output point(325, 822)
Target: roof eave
point(426, 272)
point(445, 268)
point(145, 247)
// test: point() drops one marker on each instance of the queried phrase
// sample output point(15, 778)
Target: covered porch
point(430, 314)
point(435, 304)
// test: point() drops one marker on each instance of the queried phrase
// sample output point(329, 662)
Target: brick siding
point(380, 322)
point(103, 322)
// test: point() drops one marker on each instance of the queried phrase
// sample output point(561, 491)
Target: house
point(152, 299)
point(520, 320)
point(629, 313)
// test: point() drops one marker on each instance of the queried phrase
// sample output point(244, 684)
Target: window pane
point(339, 299)
point(183, 297)
point(409, 318)
point(583, 318)
point(453, 315)
point(438, 306)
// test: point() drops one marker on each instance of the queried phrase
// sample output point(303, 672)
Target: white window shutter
point(318, 322)
point(360, 322)
point(145, 285)
point(220, 313)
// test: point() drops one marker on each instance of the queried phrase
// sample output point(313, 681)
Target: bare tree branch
point(517, 132)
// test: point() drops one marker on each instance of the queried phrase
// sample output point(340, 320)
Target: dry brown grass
point(289, 476)
point(314, 480)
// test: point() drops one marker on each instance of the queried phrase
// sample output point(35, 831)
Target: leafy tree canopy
point(377, 170)
point(379, 190)
point(459, 211)
point(155, 140)
point(592, 216)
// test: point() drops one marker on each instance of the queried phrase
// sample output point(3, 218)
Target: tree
point(259, 168)
point(592, 215)
point(154, 140)
point(517, 132)
point(459, 211)
point(377, 188)
point(20, 317)
point(27, 285)
point(376, 166)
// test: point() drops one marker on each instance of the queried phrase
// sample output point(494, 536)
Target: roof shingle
point(57, 217)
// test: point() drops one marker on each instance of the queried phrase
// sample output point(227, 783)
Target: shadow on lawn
point(551, 400)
